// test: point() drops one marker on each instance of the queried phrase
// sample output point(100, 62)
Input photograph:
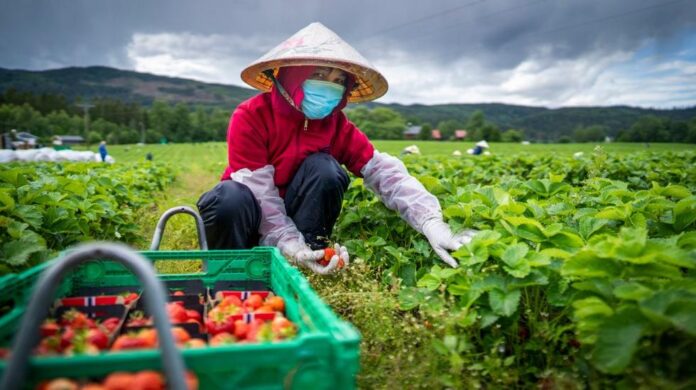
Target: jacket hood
point(291, 78)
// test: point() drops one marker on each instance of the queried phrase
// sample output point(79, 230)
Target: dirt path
point(180, 232)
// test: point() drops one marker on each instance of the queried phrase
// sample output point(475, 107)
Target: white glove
point(313, 259)
point(340, 255)
point(297, 252)
point(387, 177)
point(442, 239)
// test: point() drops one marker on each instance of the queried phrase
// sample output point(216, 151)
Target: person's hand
point(340, 256)
point(339, 260)
point(443, 240)
point(299, 253)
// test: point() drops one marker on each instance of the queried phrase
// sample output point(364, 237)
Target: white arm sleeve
point(277, 229)
point(388, 178)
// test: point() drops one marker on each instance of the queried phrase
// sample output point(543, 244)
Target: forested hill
point(142, 88)
point(537, 122)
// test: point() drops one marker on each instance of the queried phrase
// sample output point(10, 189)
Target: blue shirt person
point(102, 150)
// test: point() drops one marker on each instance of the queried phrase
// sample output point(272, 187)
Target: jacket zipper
point(305, 124)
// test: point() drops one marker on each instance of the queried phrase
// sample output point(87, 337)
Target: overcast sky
point(533, 52)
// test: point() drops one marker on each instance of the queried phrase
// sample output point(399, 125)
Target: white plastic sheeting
point(50, 154)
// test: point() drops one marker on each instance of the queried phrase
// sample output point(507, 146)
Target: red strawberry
point(254, 301)
point(230, 300)
point(92, 386)
point(148, 380)
point(276, 303)
point(223, 338)
point(240, 329)
point(328, 254)
point(259, 331)
point(119, 381)
point(195, 343)
point(110, 324)
point(66, 339)
point(129, 297)
point(180, 335)
point(49, 328)
point(138, 318)
point(177, 313)
point(98, 338)
point(264, 309)
point(76, 320)
point(283, 328)
point(49, 346)
point(129, 341)
point(191, 381)
point(81, 348)
point(219, 323)
point(193, 315)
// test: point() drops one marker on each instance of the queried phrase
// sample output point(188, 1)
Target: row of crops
point(47, 207)
point(583, 274)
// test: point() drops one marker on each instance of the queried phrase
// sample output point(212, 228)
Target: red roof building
point(460, 134)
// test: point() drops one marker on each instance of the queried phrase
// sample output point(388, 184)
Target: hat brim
point(370, 84)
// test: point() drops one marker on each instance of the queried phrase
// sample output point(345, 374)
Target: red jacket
point(266, 129)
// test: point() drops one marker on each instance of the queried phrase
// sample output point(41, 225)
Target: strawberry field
point(582, 274)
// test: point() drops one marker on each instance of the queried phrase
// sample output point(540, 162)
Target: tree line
point(118, 122)
point(112, 120)
point(647, 128)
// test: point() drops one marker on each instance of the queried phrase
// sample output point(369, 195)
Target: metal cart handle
point(44, 291)
point(159, 230)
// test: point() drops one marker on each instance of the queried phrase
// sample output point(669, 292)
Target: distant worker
point(479, 148)
point(412, 149)
point(102, 150)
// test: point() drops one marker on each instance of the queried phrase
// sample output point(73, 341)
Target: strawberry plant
point(582, 271)
point(47, 207)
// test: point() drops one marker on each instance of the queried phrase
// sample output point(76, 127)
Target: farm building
point(19, 140)
point(412, 132)
point(68, 140)
point(460, 134)
point(436, 135)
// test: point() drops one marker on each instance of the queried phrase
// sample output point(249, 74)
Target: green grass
point(446, 148)
point(212, 157)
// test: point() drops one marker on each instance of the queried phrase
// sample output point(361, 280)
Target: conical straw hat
point(317, 45)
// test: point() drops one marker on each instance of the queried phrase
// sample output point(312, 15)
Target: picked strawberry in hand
point(337, 251)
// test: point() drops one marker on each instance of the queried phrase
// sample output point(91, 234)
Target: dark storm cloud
point(547, 52)
point(501, 33)
point(504, 33)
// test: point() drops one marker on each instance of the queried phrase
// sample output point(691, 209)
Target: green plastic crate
point(324, 355)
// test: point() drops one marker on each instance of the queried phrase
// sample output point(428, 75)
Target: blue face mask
point(320, 98)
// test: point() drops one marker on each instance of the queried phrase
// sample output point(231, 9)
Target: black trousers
point(313, 200)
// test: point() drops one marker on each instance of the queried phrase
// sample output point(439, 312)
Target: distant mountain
point(538, 122)
point(143, 88)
